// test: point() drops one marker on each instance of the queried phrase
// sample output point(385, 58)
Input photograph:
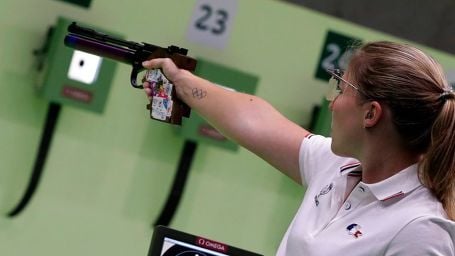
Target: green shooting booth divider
point(195, 128)
point(73, 77)
point(65, 77)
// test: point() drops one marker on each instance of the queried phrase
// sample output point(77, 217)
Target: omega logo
point(211, 244)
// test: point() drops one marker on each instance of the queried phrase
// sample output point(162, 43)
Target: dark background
point(430, 23)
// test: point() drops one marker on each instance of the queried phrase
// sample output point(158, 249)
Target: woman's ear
point(373, 114)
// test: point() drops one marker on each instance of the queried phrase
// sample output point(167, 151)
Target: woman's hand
point(169, 69)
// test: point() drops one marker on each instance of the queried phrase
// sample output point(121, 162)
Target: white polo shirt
point(397, 216)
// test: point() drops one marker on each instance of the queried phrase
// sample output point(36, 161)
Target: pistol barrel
point(102, 49)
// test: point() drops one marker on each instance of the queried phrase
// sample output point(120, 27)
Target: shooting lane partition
point(195, 130)
point(65, 77)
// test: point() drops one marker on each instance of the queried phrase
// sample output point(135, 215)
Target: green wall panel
point(107, 176)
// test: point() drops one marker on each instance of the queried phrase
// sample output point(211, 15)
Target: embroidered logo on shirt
point(323, 191)
point(354, 230)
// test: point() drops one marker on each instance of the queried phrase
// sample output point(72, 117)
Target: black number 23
point(221, 18)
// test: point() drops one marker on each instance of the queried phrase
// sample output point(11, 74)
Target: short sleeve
point(424, 236)
point(316, 158)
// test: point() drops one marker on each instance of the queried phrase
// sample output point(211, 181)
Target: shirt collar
point(352, 169)
point(397, 185)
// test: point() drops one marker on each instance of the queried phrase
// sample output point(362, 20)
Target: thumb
point(165, 64)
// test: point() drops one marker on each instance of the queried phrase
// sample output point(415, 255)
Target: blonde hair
point(414, 87)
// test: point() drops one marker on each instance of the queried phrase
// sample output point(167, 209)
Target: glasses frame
point(337, 74)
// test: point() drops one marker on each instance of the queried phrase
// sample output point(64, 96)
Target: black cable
point(46, 139)
point(178, 186)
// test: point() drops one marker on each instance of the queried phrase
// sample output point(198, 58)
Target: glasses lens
point(334, 89)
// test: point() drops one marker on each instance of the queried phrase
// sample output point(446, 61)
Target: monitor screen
point(171, 242)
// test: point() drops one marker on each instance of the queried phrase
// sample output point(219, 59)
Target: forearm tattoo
point(198, 93)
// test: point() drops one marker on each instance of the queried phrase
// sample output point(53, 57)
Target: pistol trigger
point(133, 78)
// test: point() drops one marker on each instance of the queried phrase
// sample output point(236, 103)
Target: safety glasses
point(336, 84)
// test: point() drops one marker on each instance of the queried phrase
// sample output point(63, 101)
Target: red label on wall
point(210, 132)
point(77, 94)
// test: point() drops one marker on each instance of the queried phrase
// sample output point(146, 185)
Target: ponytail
point(438, 165)
point(415, 89)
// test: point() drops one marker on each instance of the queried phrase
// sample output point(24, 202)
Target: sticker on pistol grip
point(161, 94)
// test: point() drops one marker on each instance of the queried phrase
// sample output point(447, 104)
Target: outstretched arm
point(246, 119)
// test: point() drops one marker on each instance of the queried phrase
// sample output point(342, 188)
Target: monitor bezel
point(161, 232)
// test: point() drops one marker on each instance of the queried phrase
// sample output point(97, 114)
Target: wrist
point(181, 77)
point(182, 82)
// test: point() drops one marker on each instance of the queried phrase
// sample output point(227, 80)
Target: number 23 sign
point(211, 22)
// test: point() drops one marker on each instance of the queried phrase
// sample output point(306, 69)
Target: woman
point(384, 183)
